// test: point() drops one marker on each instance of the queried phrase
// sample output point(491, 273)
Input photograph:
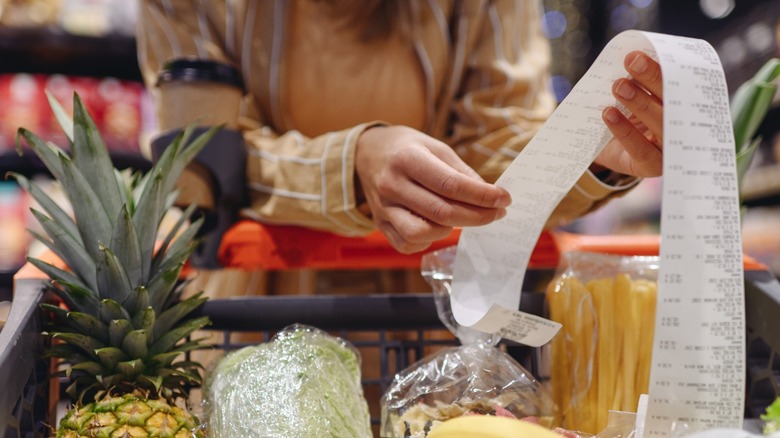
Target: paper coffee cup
point(207, 92)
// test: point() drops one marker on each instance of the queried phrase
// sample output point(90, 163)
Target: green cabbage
point(303, 383)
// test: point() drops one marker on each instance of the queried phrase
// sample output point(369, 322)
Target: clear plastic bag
point(600, 360)
point(302, 383)
point(474, 378)
point(619, 425)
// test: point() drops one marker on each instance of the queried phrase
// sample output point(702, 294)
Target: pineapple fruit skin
point(129, 416)
point(122, 329)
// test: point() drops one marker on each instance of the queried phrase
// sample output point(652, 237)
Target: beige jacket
point(485, 66)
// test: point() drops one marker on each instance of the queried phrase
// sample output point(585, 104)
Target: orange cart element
point(251, 245)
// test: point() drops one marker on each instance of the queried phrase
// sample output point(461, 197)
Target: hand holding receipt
point(703, 240)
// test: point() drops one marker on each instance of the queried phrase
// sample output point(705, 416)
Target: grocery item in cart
point(600, 360)
point(120, 328)
point(476, 378)
point(491, 427)
point(303, 383)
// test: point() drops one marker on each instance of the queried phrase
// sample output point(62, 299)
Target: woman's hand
point(636, 148)
point(417, 187)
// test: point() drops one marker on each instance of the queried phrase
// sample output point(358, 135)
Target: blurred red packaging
point(13, 226)
point(115, 106)
point(122, 115)
point(21, 95)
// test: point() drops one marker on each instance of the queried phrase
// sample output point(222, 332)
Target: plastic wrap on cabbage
point(303, 383)
point(474, 378)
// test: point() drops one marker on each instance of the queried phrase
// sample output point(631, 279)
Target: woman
point(396, 115)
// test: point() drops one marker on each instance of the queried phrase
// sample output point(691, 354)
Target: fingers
point(456, 186)
point(645, 71)
point(440, 210)
point(635, 154)
point(418, 217)
point(399, 243)
point(642, 95)
point(636, 147)
point(642, 105)
point(409, 233)
point(417, 188)
point(423, 184)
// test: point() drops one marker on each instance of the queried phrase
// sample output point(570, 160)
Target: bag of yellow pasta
point(600, 360)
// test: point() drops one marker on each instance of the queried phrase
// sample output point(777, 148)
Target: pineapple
point(122, 328)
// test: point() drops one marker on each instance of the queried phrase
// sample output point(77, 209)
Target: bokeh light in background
point(747, 46)
point(632, 14)
point(553, 24)
point(745, 33)
point(561, 86)
point(732, 51)
point(716, 9)
point(579, 29)
point(566, 25)
point(641, 4)
point(742, 31)
point(623, 17)
point(759, 37)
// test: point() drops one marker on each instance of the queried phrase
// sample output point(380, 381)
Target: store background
point(88, 46)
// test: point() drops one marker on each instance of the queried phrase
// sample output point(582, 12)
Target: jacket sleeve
point(291, 179)
point(505, 100)
point(175, 29)
point(305, 181)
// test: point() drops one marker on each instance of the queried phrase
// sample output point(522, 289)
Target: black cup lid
point(190, 70)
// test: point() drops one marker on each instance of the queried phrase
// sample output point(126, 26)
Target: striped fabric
point(475, 76)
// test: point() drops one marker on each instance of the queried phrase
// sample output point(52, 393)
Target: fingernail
point(612, 116)
point(638, 65)
point(626, 90)
point(501, 214)
point(502, 201)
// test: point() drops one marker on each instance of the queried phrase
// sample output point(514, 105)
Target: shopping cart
point(24, 410)
point(399, 325)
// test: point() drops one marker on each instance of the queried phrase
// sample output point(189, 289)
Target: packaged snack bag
point(475, 378)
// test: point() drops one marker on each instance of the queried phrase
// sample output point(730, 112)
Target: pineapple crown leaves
point(123, 325)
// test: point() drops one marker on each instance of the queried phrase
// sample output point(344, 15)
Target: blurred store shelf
point(29, 165)
point(51, 50)
point(6, 283)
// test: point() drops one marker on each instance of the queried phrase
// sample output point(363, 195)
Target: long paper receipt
point(697, 375)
